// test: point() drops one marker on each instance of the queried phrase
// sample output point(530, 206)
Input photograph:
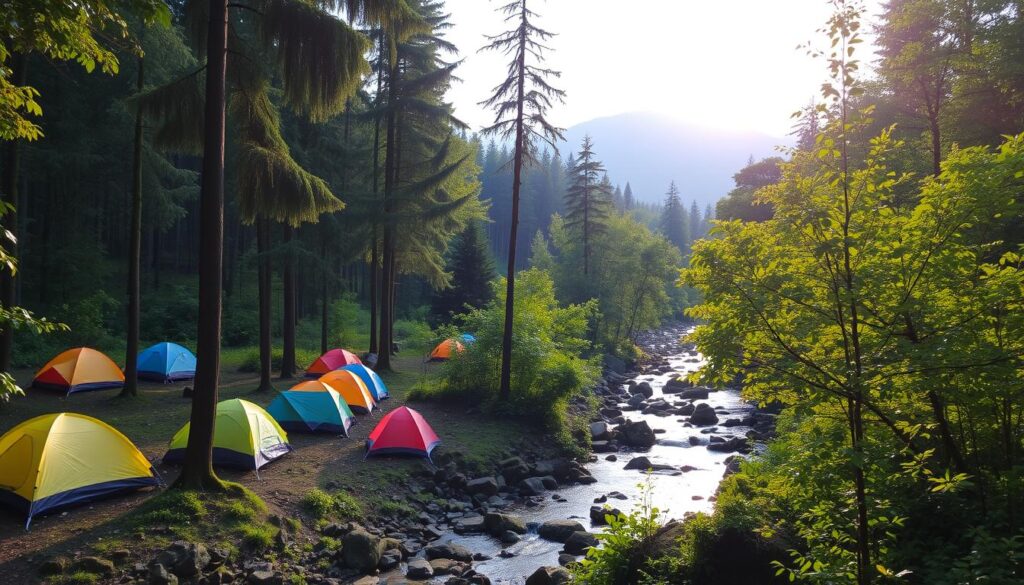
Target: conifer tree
point(472, 270)
point(695, 221)
point(673, 220)
point(627, 197)
point(520, 103)
point(587, 200)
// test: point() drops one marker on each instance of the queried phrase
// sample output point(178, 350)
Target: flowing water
point(674, 493)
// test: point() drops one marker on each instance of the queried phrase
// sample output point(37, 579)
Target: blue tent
point(373, 382)
point(321, 412)
point(467, 338)
point(167, 362)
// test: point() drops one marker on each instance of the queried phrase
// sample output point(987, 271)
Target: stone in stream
point(419, 569)
point(497, 524)
point(469, 525)
point(559, 530)
point(531, 486)
point(579, 542)
point(509, 537)
point(643, 464)
point(599, 431)
point(487, 486)
point(549, 576)
point(676, 385)
point(361, 550)
point(598, 514)
point(644, 388)
point(731, 445)
point(637, 434)
point(703, 415)
point(698, 393)
point(636, 400)
point(449, 550)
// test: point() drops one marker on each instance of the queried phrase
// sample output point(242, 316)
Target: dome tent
point(312, 411)
point(245, 437)
point(331, 360)
point(59, 460)
point(402, 431)
point(351, 388)
point(166, 362)
point(443, 351)
point(79, 370)
point(372, 381)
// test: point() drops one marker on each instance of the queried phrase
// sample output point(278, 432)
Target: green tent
point(245, 436)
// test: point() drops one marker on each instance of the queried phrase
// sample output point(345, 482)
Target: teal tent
point(322, 412)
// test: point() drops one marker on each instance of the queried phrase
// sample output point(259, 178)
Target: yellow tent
point(58, 460)
point(350, 386)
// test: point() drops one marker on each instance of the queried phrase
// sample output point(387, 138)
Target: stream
point(675, 493)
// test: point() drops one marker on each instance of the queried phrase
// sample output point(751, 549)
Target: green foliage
point(472, 270)
point(547, 364)
point(622, 556)
point(251, 361)
point(256, 537)
point(340, 505)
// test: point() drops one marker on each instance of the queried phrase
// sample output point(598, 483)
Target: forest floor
point(152, 418)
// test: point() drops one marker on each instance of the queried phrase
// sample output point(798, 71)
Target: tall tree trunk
point(197, 472)
point(288, 326)
point(12, 162)
point(131, 352)
point(323, 290)
point(505, 385)
point(265, 303)
point(390, 179)
point(374, 291)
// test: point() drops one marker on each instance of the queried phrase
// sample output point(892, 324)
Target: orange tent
point(444, 350)
point(79, 370)
point(350, 386)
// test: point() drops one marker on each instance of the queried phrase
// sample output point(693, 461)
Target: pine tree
point(520, 102)
point(627, 197)
point(695, 221)
point(587, 200)
point(673, 220)
point(540, 253)
point(472, 270)
point(705, 224)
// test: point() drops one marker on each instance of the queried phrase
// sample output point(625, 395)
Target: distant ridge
point(648, 150)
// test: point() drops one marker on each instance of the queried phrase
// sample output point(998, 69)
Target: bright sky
point(730, 64)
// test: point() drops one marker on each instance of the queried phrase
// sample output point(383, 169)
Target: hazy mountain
point(650, 150)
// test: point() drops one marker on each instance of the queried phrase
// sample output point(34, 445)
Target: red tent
point(402, 431)
point(332, 360)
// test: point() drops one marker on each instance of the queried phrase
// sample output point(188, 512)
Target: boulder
point(448, 550)
point(610, 412)
point(264, 578)
point(549, 576)
point(599, 431)
point(159, 575)
point(676, 385)
point(361, 550)
point(497, 523)
point(531, 486)
point(637, 434)
point(698, 393)
point(469, 525)
point(579, 542)
point(731, 445)
point(644, 388)
point(183, 559)
point(598, 514)
point(703, 416)
point(419, 569)
point(487, 486)
point(559, 530)
point(445, 566)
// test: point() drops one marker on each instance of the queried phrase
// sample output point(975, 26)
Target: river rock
point(703, 415)
point(698, 393)
point(497, 523)
point(469, 525)
point(509, 537)
point(361, 550)
point(599, 431)
point(598, 514)
point(487, 486)
point(643, 464)
point(419, 569)
point(184, 559)
point(531, 486)
point(676, 385)
point(579, 542)
point(644, 388)
point(637, 434)
point(449, 550)
point(549, 576)
point(610, 412)
point(559, 530)
point(732, 445)
point(636, 400)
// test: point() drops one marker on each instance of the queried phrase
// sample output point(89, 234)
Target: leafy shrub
point(341, 505)
point(414, 334)
point(548, 367)
point(251, 361)
point(622, 557)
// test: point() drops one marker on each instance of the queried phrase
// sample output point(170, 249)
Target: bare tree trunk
point(505, 384)
point(323, 292)
point(197, 472)
point(265, 287)
point(288, 326)
point(131, 353)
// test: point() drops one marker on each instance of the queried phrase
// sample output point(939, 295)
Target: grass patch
point(383, 506)
point(256, 536)
point(76, 578)
point(321, 505)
